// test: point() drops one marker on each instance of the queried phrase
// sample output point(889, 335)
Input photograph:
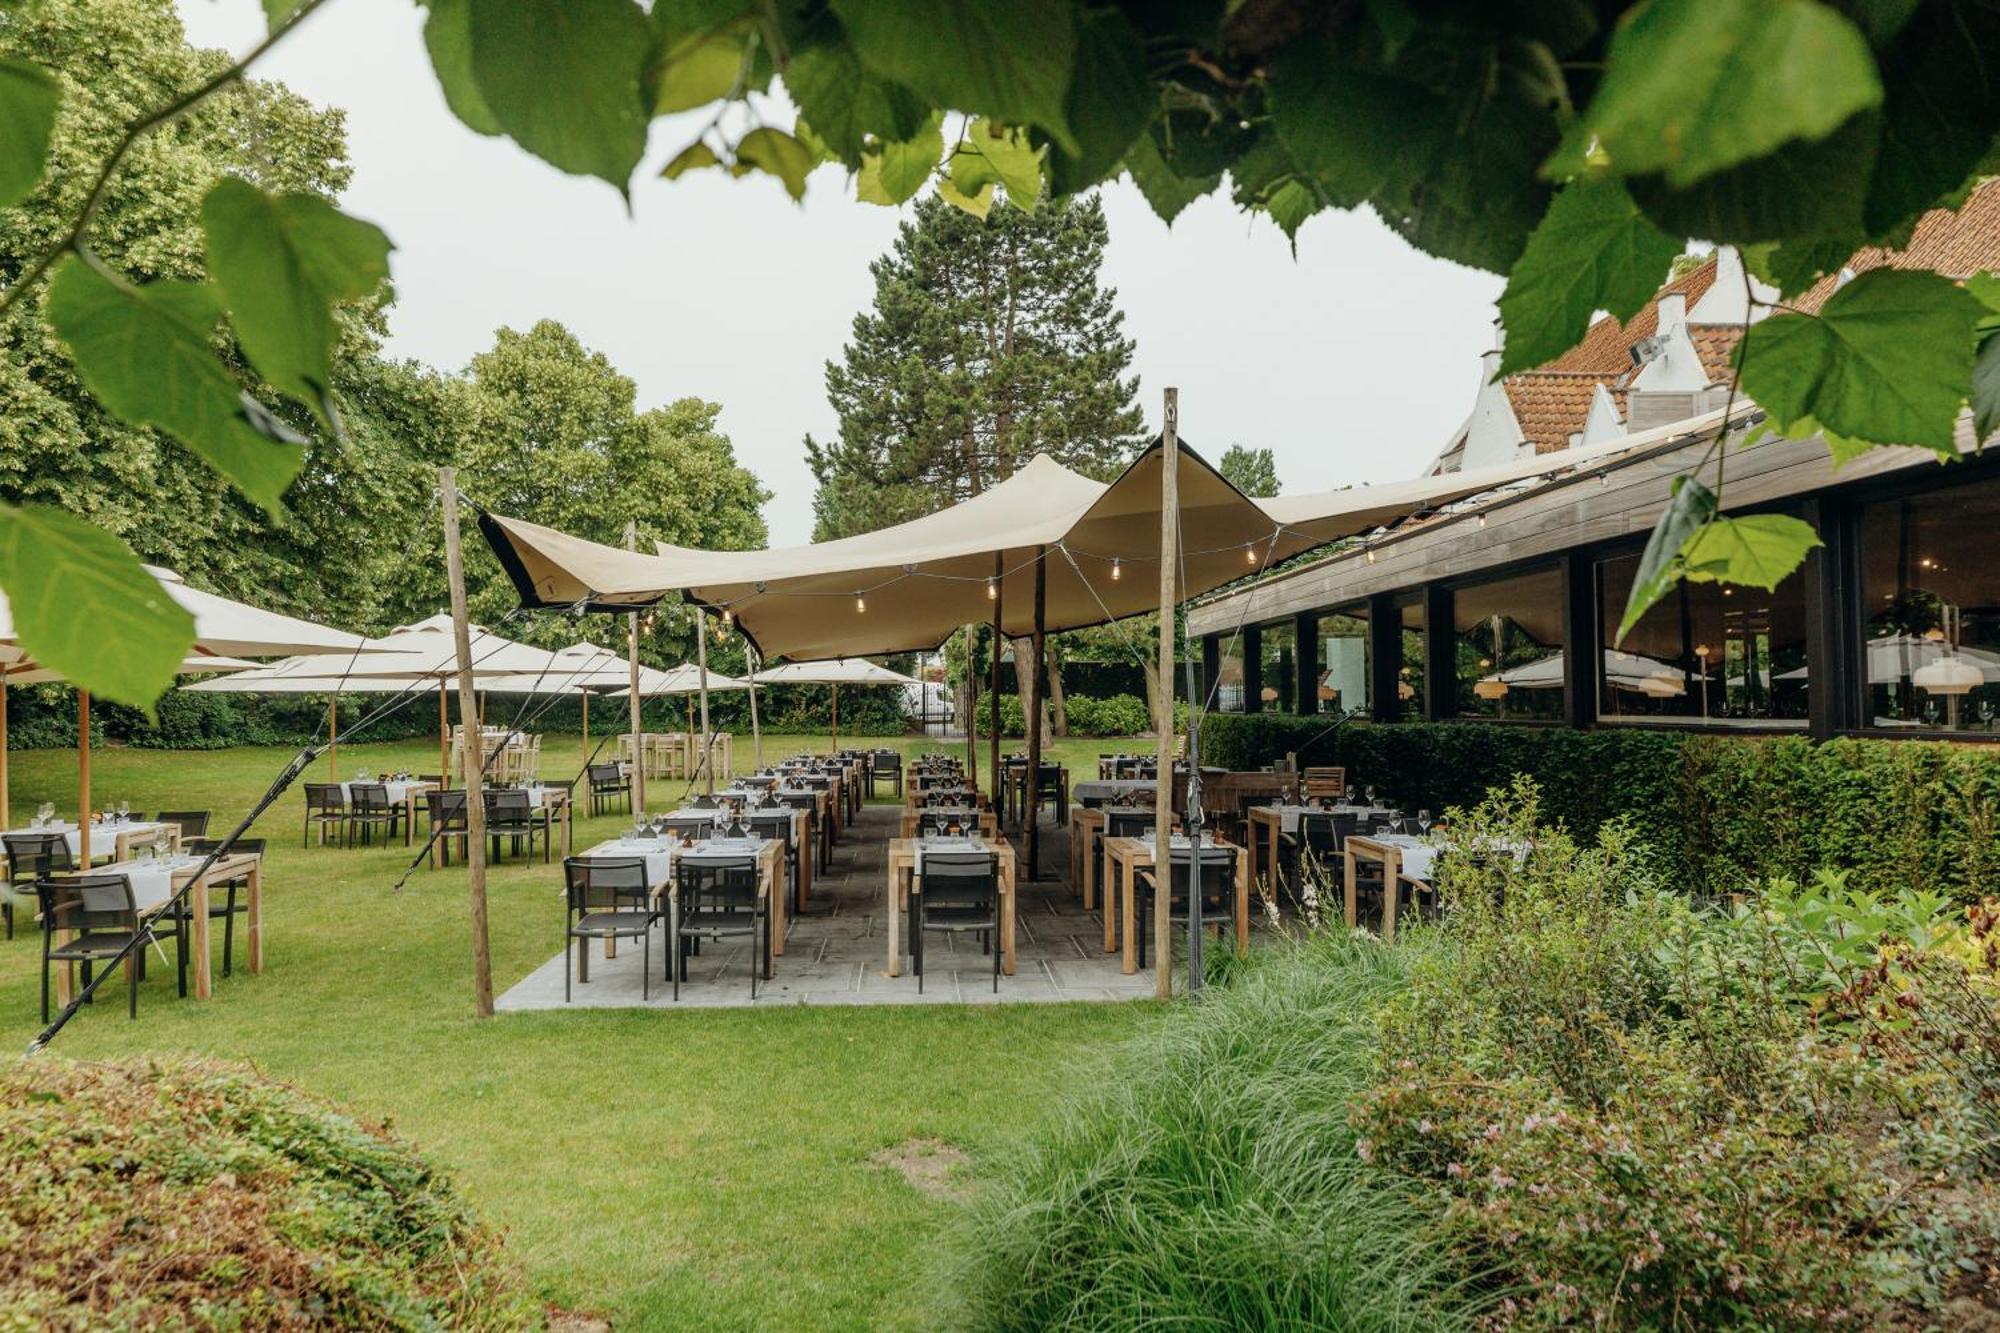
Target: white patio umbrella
point(1626, 671)
point(834, 671)
point(222, 629)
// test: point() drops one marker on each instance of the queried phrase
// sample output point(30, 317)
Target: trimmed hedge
point(1721, 809)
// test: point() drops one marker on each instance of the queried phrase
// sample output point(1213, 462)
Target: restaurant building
point(1505, 608)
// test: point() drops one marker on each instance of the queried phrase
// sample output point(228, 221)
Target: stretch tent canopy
point(908, 587)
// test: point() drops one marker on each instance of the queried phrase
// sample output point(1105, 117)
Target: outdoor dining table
point(1267, 825)
point(802, 831)
point(958, 793)
point(153, 884)
point(408, 793)
point(125, 835)
point(662, 854)
point(989, 823)
point(1405, 859)
point(903, 882)
point(1125, 857)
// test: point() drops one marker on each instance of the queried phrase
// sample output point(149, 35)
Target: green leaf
point(1007, 60)
point(1888, 359)
point(144, 353)
point(1986, 388)
point(565, 80)
point(1692, 505)
point(1793, 266)
point(893, 173)
point(1593, 251)
point(1694, 86)
point(1166, 190)
point(277, 11)
point(1757, 550)
point(781, 155)
point(83, 605)
point(282, 262)
point(1289, 205)
point(29, 98)
point(1015, 163)
point(448, 38)
point(1110, 102)
point(1941, 111)
point(1805, 190)
point(846, 104)
point(699, 68)
point(979, 203)
point(691, 158)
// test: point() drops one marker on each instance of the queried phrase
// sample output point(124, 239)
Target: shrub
point(145, 1194)
point(1120, 715)
point(1211, 1181)
point(1720, 811)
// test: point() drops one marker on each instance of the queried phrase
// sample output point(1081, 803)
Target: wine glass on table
point(1424, 823)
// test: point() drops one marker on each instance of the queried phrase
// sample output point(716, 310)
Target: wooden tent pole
point(707, 760)
point(755, 661)
point(6, 816)
point(836, 717)
point(972, 714)
point(998, 795)
point(632, 663)
point(471, 753)
point(1163, 712)
point(444, 736)
point(1031, 814)
point(82, 784)
point(586, 723)
point(333, 733)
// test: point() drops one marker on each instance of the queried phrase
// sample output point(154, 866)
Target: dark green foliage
point(1721, 810)
point(198, 1195)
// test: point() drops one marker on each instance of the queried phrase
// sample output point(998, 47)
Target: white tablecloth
point(1288, 815)
point(103, 837)
point(152, 884)
point(947, 846)
point(1420, 854)
point(658, 853)
point(399, 792)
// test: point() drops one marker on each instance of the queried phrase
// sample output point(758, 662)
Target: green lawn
point(701, 1169)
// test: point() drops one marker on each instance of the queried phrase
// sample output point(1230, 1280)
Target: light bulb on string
point(1482, 520)
point(992, 590)
point(728, 617)
point(1250, 555)
point(860, 603)
point(1117, 571)
point(1370, 553)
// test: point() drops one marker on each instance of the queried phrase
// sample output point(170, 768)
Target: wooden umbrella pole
point(586, 723)
point(1031, 813)
point(471, 753)
point(6, 815)
point(82, 781)
point(755, 661)
point(444, 736)
point(632, 664)
point(972, 714)
point(998, 795)
point(333, 734)
point(1163, 709)
point(707, 760)
point(836, 716)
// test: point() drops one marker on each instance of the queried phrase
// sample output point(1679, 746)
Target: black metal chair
point(1218, 886)
point(957, 892)
point(608, 900)
point(369, 808)
point(191, 823)
point(326, 806)
point(228, 908)
point(104, 919)
point(807, 801)
point(1122, 821)
point(607, 783)
point(886, 766)
point(770, 822)
point(510, 815)
point(32, 857)
point(448, 823)
point(704, 801)
point(718, 898)
point(688, 826)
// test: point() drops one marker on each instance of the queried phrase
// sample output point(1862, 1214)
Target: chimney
point(1673, 313)
point(1489, 361)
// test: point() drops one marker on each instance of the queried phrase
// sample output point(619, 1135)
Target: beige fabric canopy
point(834, 671)
point(910, 586)
point(683, 679)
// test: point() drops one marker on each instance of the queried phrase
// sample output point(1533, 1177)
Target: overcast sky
point(1352, 362)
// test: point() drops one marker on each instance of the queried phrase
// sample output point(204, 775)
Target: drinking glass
point(1424, 822)
point(124, 811)
point(45, 812)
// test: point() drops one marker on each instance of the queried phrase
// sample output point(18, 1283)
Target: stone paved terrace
point(836, 952)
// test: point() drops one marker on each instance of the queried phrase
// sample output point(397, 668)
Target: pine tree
point(991, 340)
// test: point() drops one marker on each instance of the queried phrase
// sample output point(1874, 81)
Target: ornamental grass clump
point(191, 1194)
point(1210, 1179)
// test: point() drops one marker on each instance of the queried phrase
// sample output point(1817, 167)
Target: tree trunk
point(1058, 708)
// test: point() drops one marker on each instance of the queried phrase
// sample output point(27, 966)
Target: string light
point(993, 590)
point(1482, 520)
point(1250, 554)
point(860, 603)
point(1116, 570)
point(1371, 555)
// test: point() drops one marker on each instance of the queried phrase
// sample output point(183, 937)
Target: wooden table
point(1359, 847)
point(225, 868)
point(1126, 856)
point(771, 881)
point(989, 823)
point(901, 884)
point(137, 833)
point(1264, 827)
point(1086, 825)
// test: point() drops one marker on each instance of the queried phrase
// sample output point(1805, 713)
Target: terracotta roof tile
point(1605, 349)
point(1715, 344)
point(1551, 405)
point(1957, 245)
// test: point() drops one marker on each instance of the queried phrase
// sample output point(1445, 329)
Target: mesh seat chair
point(369, 808)
point(693, 826)
point(230, 906)
point(806, 801)
point(191, 823)
point(1123, 822)
point(778, 824)
point(1218, 885)
point(957, 892)
point(448, 823)
point(608, 783)
point(718, 899)
point(886, 766)
point(104, 919)
point(1316, 848)
point(608, 900)
point(704, 801)
point(326, 806)
point(509, 815)
point(32, 857)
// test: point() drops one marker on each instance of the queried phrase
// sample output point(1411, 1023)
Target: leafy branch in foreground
point(1562, 144)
